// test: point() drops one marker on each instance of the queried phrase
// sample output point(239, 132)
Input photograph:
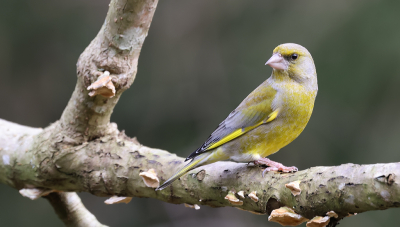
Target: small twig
point(71, 210)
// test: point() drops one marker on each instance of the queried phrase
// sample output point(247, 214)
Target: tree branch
point(85, 152)
point(115, 49)
point(111, 166)
point(71, 211)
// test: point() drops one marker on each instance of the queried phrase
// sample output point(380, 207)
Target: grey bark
point(71, 211)
point(83, 151)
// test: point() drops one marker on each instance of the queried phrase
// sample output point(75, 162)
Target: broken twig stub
point(102, 86)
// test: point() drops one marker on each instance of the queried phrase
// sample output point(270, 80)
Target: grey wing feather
point(250, 112)
point(235, 120)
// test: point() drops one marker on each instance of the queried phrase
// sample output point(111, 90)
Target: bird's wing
point(255, 109)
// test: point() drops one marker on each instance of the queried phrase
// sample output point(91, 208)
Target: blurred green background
point(200, 60)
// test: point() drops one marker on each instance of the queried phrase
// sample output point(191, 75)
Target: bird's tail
point(199, 160)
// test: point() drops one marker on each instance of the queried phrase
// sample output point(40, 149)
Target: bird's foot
point(274, 166)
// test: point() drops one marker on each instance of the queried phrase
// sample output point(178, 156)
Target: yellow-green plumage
point(269, 118)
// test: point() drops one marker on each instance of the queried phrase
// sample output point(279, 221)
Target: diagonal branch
point(115, 49)
point(71, 210)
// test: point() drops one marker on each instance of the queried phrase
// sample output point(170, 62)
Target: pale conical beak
point(277, 62)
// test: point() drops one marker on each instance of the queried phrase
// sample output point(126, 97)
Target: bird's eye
point(294, 56)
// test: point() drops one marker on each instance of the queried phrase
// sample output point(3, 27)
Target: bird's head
point(293, 61)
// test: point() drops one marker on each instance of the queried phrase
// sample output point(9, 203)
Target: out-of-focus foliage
point(200, 60)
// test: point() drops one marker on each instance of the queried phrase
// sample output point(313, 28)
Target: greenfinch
point(269, 118)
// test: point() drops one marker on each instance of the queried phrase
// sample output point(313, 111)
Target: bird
point(269, 118)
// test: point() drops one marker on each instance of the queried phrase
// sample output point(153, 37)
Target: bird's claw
point(285, 169)
point(274, 166)
point(269, 169)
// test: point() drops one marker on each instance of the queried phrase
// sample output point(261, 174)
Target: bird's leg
point(274, 166)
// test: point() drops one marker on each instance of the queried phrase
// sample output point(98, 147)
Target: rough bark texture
point(30, 155)
point(110, 165)
point(83, 151)
point(115, 49)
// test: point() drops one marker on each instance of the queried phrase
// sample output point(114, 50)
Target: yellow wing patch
point(242, 131)
point(272, 116)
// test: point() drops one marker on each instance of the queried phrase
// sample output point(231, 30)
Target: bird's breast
point(295, 107)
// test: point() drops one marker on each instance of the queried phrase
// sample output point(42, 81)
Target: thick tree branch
point(114, 54)
point(115, 49)
point(111, 166)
